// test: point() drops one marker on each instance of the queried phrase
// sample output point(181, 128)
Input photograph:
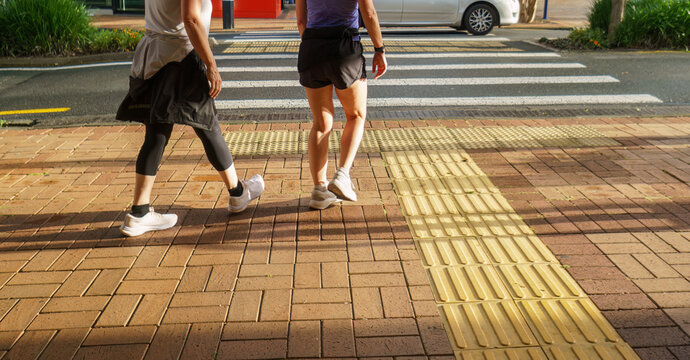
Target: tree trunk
point(528, 10)
point(617, 13)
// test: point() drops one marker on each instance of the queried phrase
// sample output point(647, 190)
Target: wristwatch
point(380, 49)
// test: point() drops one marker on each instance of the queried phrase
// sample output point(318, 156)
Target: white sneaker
point(342, 186)
point(252, 189)
point(321, 198)
point(135, 226)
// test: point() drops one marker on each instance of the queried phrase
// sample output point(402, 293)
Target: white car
point(476, 16)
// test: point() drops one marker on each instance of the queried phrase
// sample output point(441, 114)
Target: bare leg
point(321, 104)
point(354, 101)
point(229, 177)
point(142, 189)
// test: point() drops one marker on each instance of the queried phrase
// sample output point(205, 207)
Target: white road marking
point(388, 39)
point(403, 55)
point(451, 101)
point(440, 81)
point(419, 67)
point(67, 67)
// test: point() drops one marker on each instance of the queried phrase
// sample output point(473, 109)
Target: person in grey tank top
point(331, 56)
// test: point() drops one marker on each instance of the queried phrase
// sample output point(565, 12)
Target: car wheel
point(480, 19)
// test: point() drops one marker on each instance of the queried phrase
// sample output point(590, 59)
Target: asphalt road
point(93, 93)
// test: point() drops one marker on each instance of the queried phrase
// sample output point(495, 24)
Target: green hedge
point(655, 24)
point(56, 27)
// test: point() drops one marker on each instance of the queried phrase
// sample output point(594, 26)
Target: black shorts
point(341, 73)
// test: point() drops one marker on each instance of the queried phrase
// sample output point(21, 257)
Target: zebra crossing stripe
point(420, 67)
point(492, 54)
point(451, 101)
point(439, 81)
point(387, 39)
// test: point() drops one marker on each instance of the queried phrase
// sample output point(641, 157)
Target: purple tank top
point(326, 13)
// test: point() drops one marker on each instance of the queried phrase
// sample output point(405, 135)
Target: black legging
point(157, 136)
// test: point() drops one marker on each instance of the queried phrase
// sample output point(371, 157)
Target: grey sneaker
point(252, 189)
point(135, 226)
point(342, 186)
point(321, 198)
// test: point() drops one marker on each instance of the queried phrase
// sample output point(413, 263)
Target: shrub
point(655, 24)
point(588, 39)
point(600, 15)
point(115, 40)
point(43, 27)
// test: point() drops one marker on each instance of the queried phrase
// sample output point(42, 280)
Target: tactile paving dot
point(618, 351)
point(567, 321)
point(452, 252)
point(517, 250)
point(539, 281)
point(470, 184)
point(467, 283)
point(487, 325)
point(527, 353)
point(405, 158)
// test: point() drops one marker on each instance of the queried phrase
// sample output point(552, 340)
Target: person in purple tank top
point(331, 56)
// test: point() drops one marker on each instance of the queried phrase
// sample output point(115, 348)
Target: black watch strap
point(380, 49)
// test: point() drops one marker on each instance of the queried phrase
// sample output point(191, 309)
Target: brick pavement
point(281, 281)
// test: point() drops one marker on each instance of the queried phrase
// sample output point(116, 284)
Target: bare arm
point(191, 15)
point(301, 9)
point(371, 21)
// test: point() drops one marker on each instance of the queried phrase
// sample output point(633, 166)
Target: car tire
point(479, 19)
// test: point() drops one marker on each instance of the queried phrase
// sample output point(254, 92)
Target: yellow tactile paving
point(501, 293)
point(452, 252)
point(391, 46)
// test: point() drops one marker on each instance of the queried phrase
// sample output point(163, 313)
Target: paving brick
point(275, 305)
point(663, 285)
point(672, 300)
point(114, 352)
point(338, 338)
point(366, 303)
point(28, 291)
point(155, 273)
point(396, 302)
point(681, 316)
point(334, 275)
point(631, 267)
point(201, 299)
point(434, 336)
point(30, 345)
point(638, 318)
point(609, 286)
point(198, 314)
point(252, 349)
point(107, 263)
point(150, 256)
point(307, 275)
point(263, 283)
point(622, 301)
point(655, 353)
point(681, 352)
point(223, 277)
point(120, 335)
point(266, 269)
point(202, 341)
point(385, 327)
point(255, 330)
point(194, 279)
point(48, 277)
point(245, 306)
point(656, 265)
point(76, 304)
point(106, 282)
point(305, 339)
point(321, 296)
point(390, 346)
point(119, 310)
point(656, 336)
point(677, 240)
point(150, 310)
point(64, 320)
point(147, 287)
point(64, 344)
point(8, 338)
point(43, 260)
point(321, 311)
point(22, 314)
point(377, 280)
point(168, 342)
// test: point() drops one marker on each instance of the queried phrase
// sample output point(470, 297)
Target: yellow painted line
point(33, 111)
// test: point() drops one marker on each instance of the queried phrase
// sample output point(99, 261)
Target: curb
point(64, 60)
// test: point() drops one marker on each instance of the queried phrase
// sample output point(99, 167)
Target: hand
point(214, 80)
point(379, 65)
